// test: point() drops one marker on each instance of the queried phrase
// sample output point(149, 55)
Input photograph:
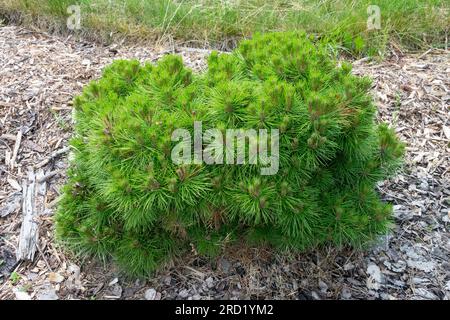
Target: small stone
point(374, 280)
point(73, 282)
point(150, 294)
point(373, 293)
point(47, 294)
point(21, 295)
point(74, 269)
point(210, 282)
point(323, 286)
point(183, 293)
point(345, 293)
point(115, 291)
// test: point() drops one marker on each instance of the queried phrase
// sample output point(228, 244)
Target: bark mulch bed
point(40, 74)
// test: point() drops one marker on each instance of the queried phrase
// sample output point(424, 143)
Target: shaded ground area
point(39, 75)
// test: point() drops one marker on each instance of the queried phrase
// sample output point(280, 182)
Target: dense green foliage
point(126, 198)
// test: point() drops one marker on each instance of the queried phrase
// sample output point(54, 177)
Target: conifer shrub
point(127, 199)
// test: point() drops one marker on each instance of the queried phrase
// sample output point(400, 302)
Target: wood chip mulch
point(40, 74)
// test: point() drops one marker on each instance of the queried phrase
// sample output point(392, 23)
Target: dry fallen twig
point(52, 156)
point(29, 230)
point(18, 139)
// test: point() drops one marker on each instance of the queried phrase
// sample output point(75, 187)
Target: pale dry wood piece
point(33, 204)
point(41, 252)
point(7, 157)
point(13, 183)
point(12, 161)
point(424, 54)
point(11, 205)
point(41, 190)
point(33, 146)
point(29, 230)
point(61, 108)
point(8, 136)
point(197, 50)
point(53, 155)
point(47, 176)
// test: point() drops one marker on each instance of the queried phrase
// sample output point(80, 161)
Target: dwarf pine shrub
point(126, 198)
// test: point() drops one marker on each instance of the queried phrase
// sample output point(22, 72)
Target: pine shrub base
point(126, 199)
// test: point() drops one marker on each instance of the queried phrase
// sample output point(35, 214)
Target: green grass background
point(409, 24)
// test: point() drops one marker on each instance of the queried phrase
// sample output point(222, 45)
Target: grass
point(410, 24)
point(14, 278)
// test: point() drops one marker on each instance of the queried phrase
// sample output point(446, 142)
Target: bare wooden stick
point(41, 188)
point(196, 50)
point(47, 176)
point(8, 136)
point(12, 161)
point(53, 155)
point(7, 158)
point(41, 252)
point(425, 53)
point(29, 229)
